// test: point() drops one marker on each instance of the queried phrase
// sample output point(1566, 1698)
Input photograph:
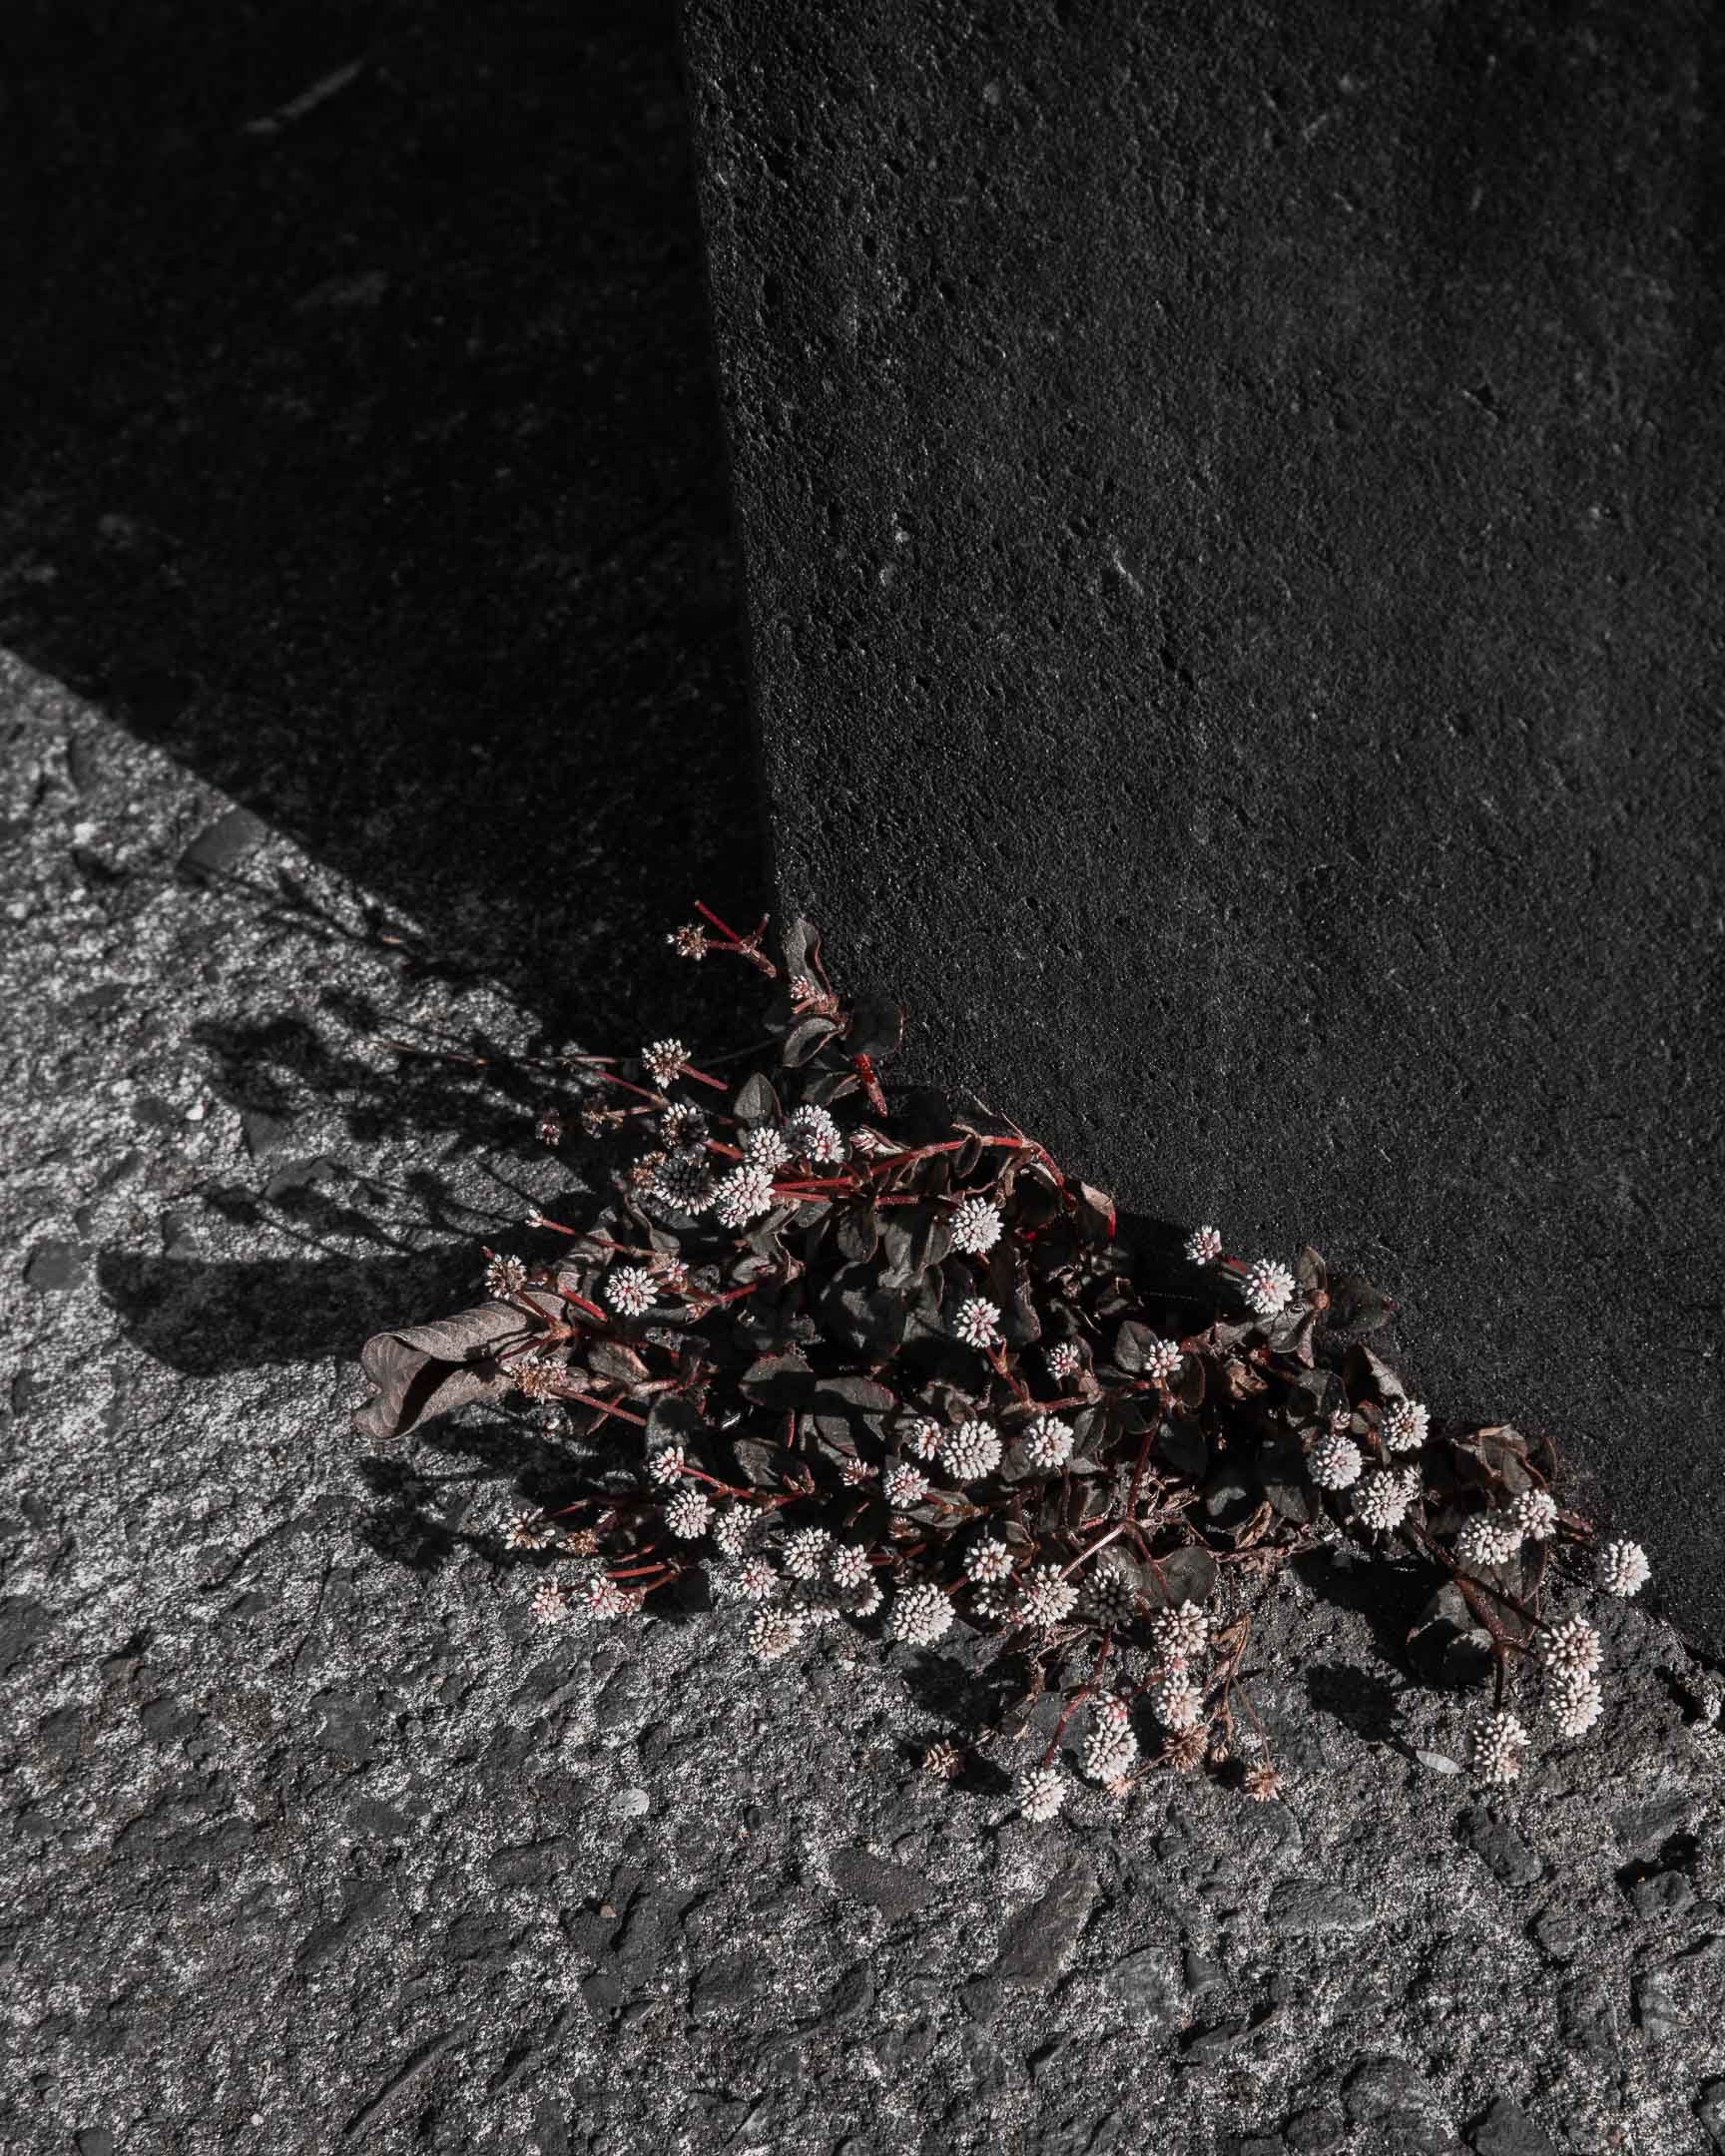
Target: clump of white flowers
point(1041, 1793)
point(972, 1451)
point(846, 1351)
point(976, 1226)
point(1623, 1568)
point(1488, 1538)
point(1268, 1287)
point(1334, 1463)
point(977, 1322)
point(1498, 1746)
point(921, 1614)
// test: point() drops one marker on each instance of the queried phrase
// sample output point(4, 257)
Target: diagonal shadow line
point(370, 462)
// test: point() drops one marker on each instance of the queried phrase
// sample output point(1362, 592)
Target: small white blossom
point(870, 1598)
point(550, 1602)
point(764, 1146)
point(924, 1437)
point(1489, 1538)
point(605, 1599)
point(1108, 1593)
point(858, 1474)
point(1046, 1443)
point(755, 1578)
point(815, 1137)
point(773, 1632)
point(988, 1560)
point(688, 1513)
point(920, 1613)
point(684, 1181)
point(992, 1601)
point(742, 1196)
point(1407, 1424)
point(1574, 1700)
point(666, 1467)
point(850, 1565)
point(977, 1323)
point(976, 1226)
point(1048, 1596)
point(1063, 1361)
point(1381, 1499)
point(1108, 1753)
point(664, 1059)
point(1536, 1513)
point(972, 1451)
point(1204, 1245)
point(1181, 1631)
point(504, 1276)
point(528, 1530)
point(682, 1125)
point(1573, 1644)
point(1623, 1568)
point(630, 1290)
point(1112, 1712)
point(1333, 1463)
point(1268, 1287)
point(1041, 1793)
point(1176, 1702)
point(806, 1552)
point(1498, 1745)
point(1162, 1359)
point(732, 1529)
point(905, 1486)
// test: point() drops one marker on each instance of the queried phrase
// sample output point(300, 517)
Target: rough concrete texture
point(313, 1841)
point(1224, 494)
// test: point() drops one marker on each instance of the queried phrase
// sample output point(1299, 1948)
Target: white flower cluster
point(684, 1181)
point(972, 1451)
point(664, 1059)
point(1046, 1596)
point(988, 1560)
point(763, 1146)
point(1110, 1750)
point(630, 1290)
point(977, 1323)
point(1162, 1358)
point(1046, 1443)
point(1623, 1568)
point(976, 1225)
point(905, 1486)
point(1407, 1424)
point(742, 1196)
point(1204, 1245)
point(1489, 1538)
point(920, 1613)
point(1063, 1361)
point(1334, 1462)
point(1268, 1287)
point(1381, 1499)
point(1041, 1793)
point(1181, 1631)
point(1498, 1746)
point(812, 1136)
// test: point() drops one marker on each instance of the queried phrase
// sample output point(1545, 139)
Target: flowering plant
point(884, 1359)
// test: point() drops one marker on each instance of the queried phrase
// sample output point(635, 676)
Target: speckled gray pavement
point(313, 1840)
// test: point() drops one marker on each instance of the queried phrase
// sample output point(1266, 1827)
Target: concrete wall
point(1231, 498)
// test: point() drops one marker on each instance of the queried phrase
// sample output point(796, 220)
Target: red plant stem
point(708, 914)
point(610, 1407)
point(1079, 1697)
point(640, 1092)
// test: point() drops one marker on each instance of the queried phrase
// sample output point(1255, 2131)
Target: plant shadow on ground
point(367, 457)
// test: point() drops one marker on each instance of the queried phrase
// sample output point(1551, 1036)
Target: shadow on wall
point(365, 456)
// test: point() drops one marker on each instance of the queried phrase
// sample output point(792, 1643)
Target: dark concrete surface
point(361, 450)
point(1230, 505)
